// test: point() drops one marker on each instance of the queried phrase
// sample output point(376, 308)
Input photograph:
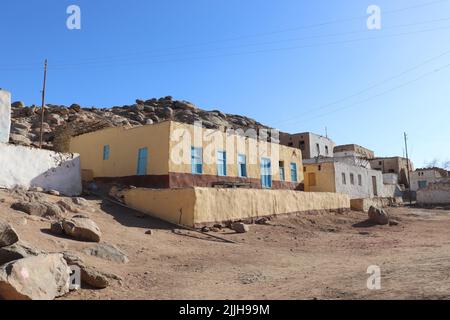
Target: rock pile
point(62, 121)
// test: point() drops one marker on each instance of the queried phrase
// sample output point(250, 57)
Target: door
point(142, 162)
point(266, 173)
point(374, 184)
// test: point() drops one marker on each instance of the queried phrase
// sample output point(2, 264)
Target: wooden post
point(43, 106)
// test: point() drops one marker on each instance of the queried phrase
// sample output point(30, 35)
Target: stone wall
point(365, 204)
point(199, 206)
point(29, 167)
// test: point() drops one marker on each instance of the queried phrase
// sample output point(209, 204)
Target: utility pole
point(409, 169)
point(43, 105)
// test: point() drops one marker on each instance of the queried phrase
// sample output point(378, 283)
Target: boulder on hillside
point(18, 250)
point(8, 235)
point(43, 277)
point(43, 209)
point(82, 228)
point(89, 275)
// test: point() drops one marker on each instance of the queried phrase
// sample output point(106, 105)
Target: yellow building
point(177, 155)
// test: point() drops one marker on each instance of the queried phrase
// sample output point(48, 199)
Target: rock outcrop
point(62, 122)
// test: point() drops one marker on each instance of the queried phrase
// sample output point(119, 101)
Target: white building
point(30, 167)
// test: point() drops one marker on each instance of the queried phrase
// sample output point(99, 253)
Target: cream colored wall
point(215, 205)
point(209, 205)
point(325, 178)
point(124, 146)
point(182, 139)
point(173, 205)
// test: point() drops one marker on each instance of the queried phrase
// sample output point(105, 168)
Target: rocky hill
point(61, 122)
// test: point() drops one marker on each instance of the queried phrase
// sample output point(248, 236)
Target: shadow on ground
point(133, 218)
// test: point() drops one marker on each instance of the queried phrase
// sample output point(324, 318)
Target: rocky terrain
point(63, 121)
point(123, 254)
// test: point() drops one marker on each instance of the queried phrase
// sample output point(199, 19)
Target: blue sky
point(292, 64)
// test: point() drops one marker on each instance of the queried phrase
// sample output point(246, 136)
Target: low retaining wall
point(30, 167)
point(200, 206)
point(365, 204)
point(435, 194)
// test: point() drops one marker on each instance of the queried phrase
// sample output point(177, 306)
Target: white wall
point(5, 115)
point(355, 191)
point(29, 167)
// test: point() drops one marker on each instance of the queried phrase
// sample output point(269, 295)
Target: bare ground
point(298, 257)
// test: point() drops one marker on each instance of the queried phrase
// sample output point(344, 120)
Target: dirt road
point(302, 257)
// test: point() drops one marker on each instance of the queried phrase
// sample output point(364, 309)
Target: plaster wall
point(5, 116)
point(208, 205)
point(29, 167)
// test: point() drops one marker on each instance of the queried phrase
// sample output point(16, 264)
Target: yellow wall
point(241, 145)
point(164, 140)
point(173, 205)
point(325, 178)
point(209, 205)
point(124, 147)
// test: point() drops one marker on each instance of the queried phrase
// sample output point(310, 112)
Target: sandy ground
point(297, 257)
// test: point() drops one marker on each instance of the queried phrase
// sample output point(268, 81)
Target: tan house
point(177, 155)
point(312, 145)
point(353, 150)
point(395, 165)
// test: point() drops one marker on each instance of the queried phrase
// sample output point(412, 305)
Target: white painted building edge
point(30, 167)
point(5, 115)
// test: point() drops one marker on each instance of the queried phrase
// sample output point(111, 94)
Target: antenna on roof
point(326, 132)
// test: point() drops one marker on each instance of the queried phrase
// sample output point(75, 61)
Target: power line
point(375, 85)
point(105, 58)
point(383, 93)
point(131, 62)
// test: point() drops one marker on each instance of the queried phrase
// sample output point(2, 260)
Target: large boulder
point(107, 252)
point(40, 209)
point(82, 228)
point(89, 275)
point(43, 277)
point(8, 235)
point(18, 250)
point(378, 216)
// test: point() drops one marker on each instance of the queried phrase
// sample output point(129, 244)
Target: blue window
point(422, 184)
point(294, 177)
point(142, 162)
point(197, 160)
point(221, 163)
point(266, 173)
point(242, 166)
point(106, 152)
point(282, 173)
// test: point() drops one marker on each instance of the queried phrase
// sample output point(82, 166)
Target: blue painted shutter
point(266, 174)
point(294, 177)
point(242, 162)
point(142, 162)
point(106, 152)
point(196, 160)
point(221, 163)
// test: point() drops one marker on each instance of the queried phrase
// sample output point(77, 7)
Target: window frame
point(294, 169)
point(195, 165)
point(221, 163)
point(242, 171)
